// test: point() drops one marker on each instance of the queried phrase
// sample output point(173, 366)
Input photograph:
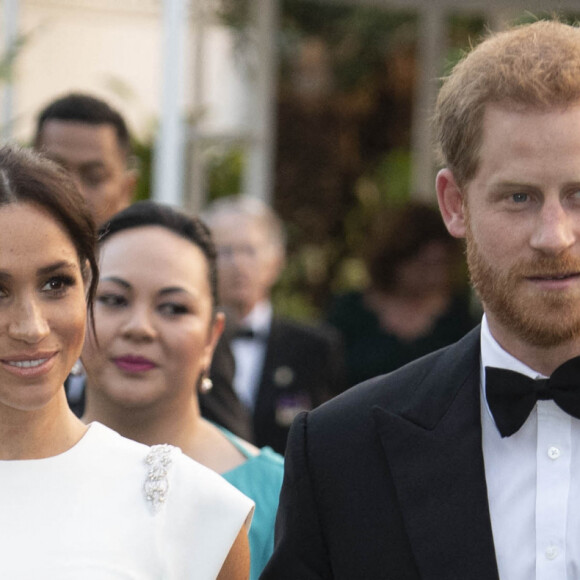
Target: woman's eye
point(58, 285)
point(172, 309)
point(112, 300)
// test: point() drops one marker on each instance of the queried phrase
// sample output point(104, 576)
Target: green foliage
point(8, 59)
point(357, 37)
point(528, 17)
point(225, 168)
point(143, 152)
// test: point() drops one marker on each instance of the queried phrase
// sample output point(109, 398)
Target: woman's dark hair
point(150, 213)
point(399, 235)
point(27, 177)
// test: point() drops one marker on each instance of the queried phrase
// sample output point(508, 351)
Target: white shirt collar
point(260, 318)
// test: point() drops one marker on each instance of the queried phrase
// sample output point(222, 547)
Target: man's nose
point(555, 229)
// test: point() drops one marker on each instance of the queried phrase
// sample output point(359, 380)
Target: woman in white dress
point(81, 501)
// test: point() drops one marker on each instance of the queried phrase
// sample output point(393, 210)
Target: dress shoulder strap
point(235, 441)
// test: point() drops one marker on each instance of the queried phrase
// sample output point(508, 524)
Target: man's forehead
point(75, 141)
point(237, 226)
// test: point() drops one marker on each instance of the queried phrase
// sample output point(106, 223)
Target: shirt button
point(554, 452)
point(551, 552)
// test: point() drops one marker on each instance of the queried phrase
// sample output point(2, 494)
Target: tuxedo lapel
point(433, 447)
point(265, 397)
point(268, 368)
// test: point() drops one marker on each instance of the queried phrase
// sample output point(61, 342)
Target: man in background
point(90, 139)
point(282, 367)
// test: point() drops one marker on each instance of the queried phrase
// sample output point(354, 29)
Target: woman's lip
point(29, 365)
point(134, 364)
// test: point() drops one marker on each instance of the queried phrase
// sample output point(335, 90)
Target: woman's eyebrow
point(51, 268)
point(44, 270)
point(173, 289)
point(116, 280)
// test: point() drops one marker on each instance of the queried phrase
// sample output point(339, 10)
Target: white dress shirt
point(533, 483)
point(249, 354)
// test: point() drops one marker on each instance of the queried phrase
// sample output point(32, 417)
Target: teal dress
point(260, 478)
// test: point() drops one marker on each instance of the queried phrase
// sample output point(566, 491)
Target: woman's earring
point(206, 385)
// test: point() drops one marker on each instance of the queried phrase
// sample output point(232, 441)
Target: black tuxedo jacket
point(387, 480)
point(303, 368)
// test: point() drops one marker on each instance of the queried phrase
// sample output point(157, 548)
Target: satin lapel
point(265, 390)
point(433, 448)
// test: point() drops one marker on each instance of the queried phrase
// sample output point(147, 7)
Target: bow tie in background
point(248, 334)
point(511, 396)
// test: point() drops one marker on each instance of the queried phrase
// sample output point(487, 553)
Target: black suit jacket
point(303, 368)
point(388, 481)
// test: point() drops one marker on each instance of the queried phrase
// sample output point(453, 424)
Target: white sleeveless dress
point(111, 509)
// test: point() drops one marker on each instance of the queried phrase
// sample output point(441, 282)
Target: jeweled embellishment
point(156, 484)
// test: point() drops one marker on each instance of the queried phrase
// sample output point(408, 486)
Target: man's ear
point(451, 203)
point(130, 185)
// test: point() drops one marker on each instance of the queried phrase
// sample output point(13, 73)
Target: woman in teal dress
point(155, 328)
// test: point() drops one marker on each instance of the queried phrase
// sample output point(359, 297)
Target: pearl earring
point(206, 385)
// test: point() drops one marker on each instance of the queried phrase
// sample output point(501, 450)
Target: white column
point(259, 174)
point(168, 163)
point(9, 33)
point(431, 47)
point(196, 196)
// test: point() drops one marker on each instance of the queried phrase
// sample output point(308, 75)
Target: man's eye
point(94, 179)
point(520, 197)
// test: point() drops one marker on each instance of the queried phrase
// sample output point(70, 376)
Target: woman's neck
point(41, 433)
point(152, 424)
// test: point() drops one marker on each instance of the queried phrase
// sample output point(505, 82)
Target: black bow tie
point(248, 334)
point(511, 396)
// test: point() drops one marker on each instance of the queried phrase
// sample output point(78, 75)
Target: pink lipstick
point(134, 364)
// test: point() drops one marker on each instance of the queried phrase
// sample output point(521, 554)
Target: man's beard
point(543, 318)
